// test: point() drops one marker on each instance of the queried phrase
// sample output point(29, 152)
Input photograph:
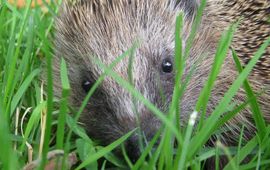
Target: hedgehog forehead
point(121, 28)
point(120, 25)
point(108, 30)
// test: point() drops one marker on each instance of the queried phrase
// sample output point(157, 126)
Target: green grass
point(26, 37)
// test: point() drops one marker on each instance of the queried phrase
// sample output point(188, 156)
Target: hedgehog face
point(92, 30)
point(103, 30)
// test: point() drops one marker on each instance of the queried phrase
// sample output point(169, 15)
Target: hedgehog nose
point(133, 148)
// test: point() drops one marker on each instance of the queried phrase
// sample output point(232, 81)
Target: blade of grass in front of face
point(228, 155)
point(104, 165)
point(153, 160)
point(204, 134)
point(240, 145)
point(191, 122)
point(194, 28)
point(116, 161)
point(229, 115)
point(255, 108)
point(126, 158)
point(209, 152)
point(220, 56)
point(130, 65)
point(259, 159)
point(161, 161)
point(183, 87)
point(247, 149)
point(134, 101)
point(147, 150)
point(261, 152)
point(206, 153)
point(188, 46)
point(174, 110)
point(105, 150)
point(167, 148)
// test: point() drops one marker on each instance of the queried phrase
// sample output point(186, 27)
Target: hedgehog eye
point(167, 66)
point(86, 85)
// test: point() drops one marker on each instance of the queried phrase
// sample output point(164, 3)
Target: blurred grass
point(26, 36)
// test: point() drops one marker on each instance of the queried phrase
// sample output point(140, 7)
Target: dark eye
point(86, 85)
point(167, 66)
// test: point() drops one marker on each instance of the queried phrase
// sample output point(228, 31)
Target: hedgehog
point(105, 29)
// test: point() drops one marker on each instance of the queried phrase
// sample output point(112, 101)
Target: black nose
point(133, 148)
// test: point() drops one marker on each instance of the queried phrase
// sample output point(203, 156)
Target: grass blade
point(63, 107)
point(256, 111)
point(104, 150)
point(199, 140)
